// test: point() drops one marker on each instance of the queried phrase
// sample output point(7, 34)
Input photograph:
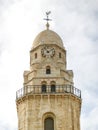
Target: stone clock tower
point(48, 99)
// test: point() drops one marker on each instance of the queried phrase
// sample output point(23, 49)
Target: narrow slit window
point(44, 88)
point(48, 70)
point(59, 55)
point(35, 55)
point(53, 86)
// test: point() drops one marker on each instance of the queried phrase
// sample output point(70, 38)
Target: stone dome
point(48, 37)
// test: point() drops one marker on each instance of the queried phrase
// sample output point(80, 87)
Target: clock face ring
point(47, 51)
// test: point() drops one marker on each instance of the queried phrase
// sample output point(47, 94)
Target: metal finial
point(47, 19)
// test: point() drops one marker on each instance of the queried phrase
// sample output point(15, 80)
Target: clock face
point(47, 51)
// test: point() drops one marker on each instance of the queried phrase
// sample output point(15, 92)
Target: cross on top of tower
point(47, 19)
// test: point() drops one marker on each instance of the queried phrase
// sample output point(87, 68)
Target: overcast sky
point(76, 22)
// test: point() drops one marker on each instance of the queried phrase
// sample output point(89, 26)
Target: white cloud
point(77, 24)
point(91, 120)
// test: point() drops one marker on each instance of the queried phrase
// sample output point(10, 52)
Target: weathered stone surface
point(64, 108)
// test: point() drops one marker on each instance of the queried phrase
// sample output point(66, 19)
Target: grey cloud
point(77, 23)
point(5, 4)
point(5, 126)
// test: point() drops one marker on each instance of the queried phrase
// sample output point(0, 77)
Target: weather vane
point(47, 19)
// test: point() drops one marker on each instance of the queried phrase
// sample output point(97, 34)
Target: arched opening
point(49, 123)
point(53, 86)
point(48, 70)
point(44, 86)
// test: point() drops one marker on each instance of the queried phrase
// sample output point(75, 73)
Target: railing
point(47, 90)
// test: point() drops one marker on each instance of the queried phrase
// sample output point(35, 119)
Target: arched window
point(48, 70)
point(59, 55)
point(43, 87)
point(53, 87)
point(35, 55)
point(49, 123)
